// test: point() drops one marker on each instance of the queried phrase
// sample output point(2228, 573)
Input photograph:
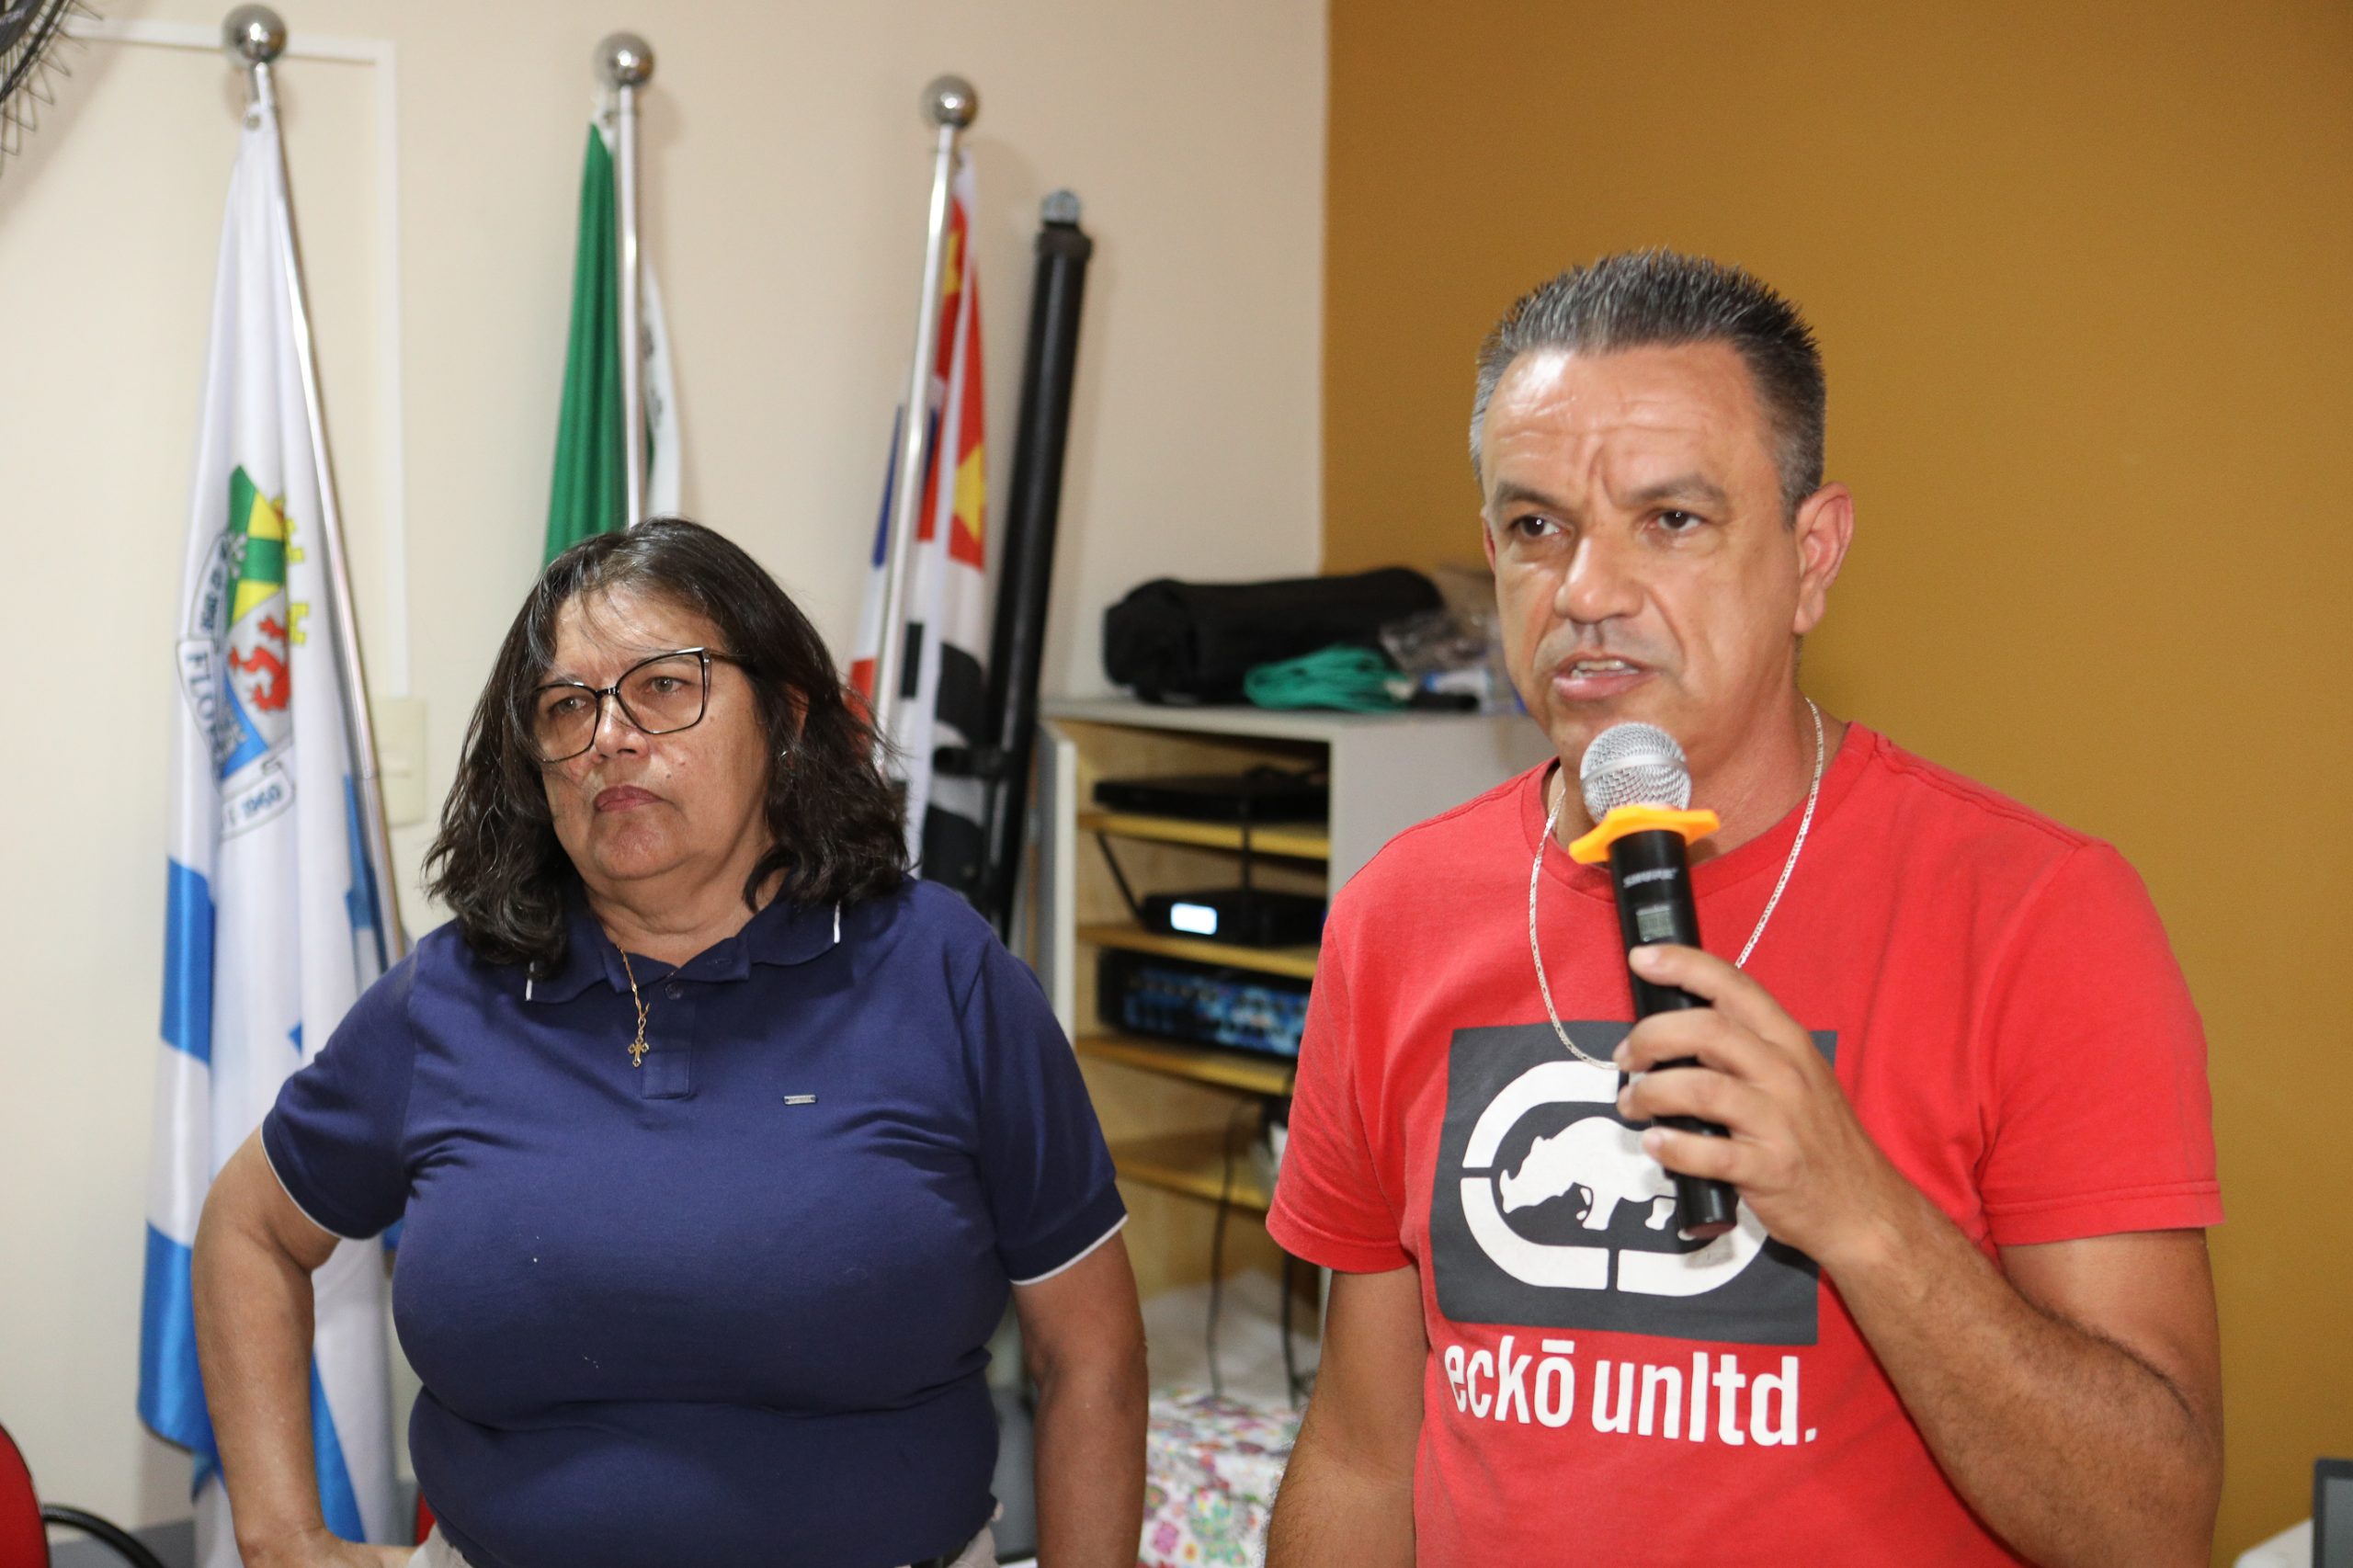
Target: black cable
point(1291, 1363)
point(1103, 840)
point(1217, 1246)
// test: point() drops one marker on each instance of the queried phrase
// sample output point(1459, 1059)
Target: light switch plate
point(400, 757)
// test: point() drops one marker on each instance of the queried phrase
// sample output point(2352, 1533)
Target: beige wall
point(2081, 275)
point(786, 173)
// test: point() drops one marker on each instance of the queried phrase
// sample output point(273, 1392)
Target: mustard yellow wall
point(2084, 276)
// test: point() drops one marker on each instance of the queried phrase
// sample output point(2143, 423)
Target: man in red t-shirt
point(1966, 1316)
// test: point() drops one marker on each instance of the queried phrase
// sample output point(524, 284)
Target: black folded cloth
point(1175, 641)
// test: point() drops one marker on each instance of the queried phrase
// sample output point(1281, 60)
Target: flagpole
point(950, 105)
point(1026, 565)
point(625, 60)
point(255, 35)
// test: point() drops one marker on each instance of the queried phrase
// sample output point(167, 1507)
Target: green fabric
point(588, 494)
point(1352, 679)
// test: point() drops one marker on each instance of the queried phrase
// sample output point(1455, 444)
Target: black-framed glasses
point(659, 696)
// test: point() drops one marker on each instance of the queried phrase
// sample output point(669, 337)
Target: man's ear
point(1487, 540)
point(1824, 528)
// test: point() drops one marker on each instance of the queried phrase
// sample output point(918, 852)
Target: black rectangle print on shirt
point(1545, 1211)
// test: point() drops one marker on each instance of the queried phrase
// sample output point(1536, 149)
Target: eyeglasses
point(659, 696)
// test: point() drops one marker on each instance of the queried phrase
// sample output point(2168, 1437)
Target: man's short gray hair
point(1662, 298)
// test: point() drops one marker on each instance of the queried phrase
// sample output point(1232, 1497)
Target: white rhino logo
point(1605, 1158)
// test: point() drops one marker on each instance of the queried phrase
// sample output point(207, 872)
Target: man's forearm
point(2070, 1447)
point(1090, 1466)
point(1332, 1514)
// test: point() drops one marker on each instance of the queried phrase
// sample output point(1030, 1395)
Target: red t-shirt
point(2000, 1004)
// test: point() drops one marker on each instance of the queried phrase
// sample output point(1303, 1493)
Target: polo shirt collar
point(783, 933)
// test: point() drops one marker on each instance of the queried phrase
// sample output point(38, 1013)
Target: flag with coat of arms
point(943, 688)
point(273, 921)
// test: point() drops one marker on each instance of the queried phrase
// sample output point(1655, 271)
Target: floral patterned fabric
point(1211, 1470)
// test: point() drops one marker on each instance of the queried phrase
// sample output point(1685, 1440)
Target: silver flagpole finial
point(950, 100)
point(253, 35)
point(624, 60)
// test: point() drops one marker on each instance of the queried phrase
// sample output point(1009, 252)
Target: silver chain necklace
point(1536, 878)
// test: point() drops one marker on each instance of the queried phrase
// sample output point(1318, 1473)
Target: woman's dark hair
point(838, 824)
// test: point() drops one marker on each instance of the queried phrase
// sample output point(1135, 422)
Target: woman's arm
point(1083, 1337)
point(255, 1254)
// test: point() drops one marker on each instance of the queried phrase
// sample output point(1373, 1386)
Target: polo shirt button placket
point(669, 1067)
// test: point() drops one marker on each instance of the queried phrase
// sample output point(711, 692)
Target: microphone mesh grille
point(1633, 765)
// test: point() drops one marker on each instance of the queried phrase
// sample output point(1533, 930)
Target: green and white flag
point(587, 496)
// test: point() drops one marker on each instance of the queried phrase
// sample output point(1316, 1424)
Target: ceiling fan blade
point(30, 30)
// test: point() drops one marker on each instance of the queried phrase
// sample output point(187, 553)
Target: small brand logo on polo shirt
point(1546, 1211)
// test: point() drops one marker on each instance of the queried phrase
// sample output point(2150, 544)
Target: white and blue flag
point(273, 926)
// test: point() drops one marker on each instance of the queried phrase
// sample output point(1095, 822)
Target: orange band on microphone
point(1593, 849)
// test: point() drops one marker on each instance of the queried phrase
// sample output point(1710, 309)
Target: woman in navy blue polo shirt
point(720, 1141)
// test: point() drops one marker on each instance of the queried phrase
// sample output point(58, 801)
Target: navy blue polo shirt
point(729, 1307)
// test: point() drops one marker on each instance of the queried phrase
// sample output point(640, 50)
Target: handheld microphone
point(1638, 791)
